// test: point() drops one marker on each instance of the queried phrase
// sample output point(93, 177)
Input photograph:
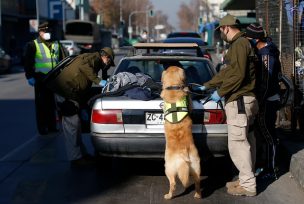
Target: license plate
point(154, 118)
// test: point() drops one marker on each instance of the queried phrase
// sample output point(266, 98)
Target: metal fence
point(284, 22)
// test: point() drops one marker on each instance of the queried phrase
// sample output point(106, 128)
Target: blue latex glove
point(103, 83)
point(215, 97)
point(199, 88)
point(31, 81)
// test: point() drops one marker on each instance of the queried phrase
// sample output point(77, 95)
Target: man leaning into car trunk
point(71, 86)
point(236, 84)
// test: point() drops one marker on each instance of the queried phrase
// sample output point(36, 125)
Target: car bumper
point(152, 145)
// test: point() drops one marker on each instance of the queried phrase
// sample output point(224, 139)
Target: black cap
point(43, 26)
point(110, 53)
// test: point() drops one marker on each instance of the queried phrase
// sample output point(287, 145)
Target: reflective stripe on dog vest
point(45, 60)
point(176, 112)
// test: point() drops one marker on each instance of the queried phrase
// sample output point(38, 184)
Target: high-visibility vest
point(45, 59)
point(176, 112)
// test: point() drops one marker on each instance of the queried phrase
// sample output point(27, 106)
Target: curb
point(293, 145)
point(297, 167)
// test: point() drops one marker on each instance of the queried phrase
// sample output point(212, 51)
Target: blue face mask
point(253, 42)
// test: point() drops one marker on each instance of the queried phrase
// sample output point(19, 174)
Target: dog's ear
point(181, 75)
point(163, 74)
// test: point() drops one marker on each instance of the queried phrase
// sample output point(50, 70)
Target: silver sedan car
point(126, 127)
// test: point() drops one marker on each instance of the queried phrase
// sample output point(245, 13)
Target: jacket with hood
point(267, 72)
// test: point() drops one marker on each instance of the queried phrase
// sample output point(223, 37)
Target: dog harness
point(176, 112)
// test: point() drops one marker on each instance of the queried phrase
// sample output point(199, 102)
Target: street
point(34, 168)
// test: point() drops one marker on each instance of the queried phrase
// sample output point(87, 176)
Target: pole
point(120, 11)
point(130, 24)
point(280, 33)
point(147, 24)
point(81, 10)
point(0, 23)
point(63, 15)
point(37, 12)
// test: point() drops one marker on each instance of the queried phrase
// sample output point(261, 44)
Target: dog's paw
point(168, 196)
point(197, 195)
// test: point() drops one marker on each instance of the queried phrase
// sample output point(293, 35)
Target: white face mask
point(46, 36)
point(144, 36)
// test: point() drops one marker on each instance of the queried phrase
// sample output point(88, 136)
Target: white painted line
point(14, 151)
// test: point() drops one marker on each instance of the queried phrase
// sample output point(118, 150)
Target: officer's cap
point(110, 53)
point(228, 20)
point(43, 26)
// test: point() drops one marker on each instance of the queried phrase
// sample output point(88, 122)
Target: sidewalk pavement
point(292, 146)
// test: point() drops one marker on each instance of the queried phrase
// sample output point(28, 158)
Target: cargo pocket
point(233, 116)
point(251, 107)
point(236, 133)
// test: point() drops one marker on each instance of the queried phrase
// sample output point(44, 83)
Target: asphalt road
point(34, 169)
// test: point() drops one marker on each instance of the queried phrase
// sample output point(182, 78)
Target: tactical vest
point(45, 58)
point(176, 112)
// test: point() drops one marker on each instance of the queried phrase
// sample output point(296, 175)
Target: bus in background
point(88, 35)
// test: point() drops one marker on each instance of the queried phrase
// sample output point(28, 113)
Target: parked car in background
point(5, 61)
point(122, 126)
point(71, 47)
point(184, 34)
point(202, 44)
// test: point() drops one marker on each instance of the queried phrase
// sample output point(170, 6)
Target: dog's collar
point(175, 87)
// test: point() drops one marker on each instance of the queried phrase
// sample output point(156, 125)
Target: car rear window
point(196, 71)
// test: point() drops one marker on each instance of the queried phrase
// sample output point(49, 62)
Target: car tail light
point(208, 56)
point(107, 116)
point(214, 117)
point(88, 46)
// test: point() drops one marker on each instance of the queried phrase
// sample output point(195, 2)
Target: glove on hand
point(103, 83)
point(31, 81)
point(199, 88)
point(215, 97)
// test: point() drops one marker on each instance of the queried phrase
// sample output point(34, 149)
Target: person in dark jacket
point(267, 91)
point(41, 56)
point(72, 86)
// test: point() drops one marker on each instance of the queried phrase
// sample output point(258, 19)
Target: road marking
point(14, 151)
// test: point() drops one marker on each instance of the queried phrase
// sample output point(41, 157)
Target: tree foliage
point(110, 12)
point(188, 15)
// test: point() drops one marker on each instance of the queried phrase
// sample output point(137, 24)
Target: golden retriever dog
point(181, 155)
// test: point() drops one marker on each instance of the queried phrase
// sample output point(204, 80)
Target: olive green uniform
point(73, 84)
point(76, 79)
point(238, 78)
point(236, 83)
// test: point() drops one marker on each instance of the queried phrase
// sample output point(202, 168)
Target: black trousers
point(45, 107)
point(266, 137)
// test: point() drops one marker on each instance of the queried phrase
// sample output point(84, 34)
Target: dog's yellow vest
point(176, 112)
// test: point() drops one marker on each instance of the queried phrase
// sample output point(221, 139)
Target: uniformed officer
point(236, 84)
point(72, 86)
point(41, 55)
